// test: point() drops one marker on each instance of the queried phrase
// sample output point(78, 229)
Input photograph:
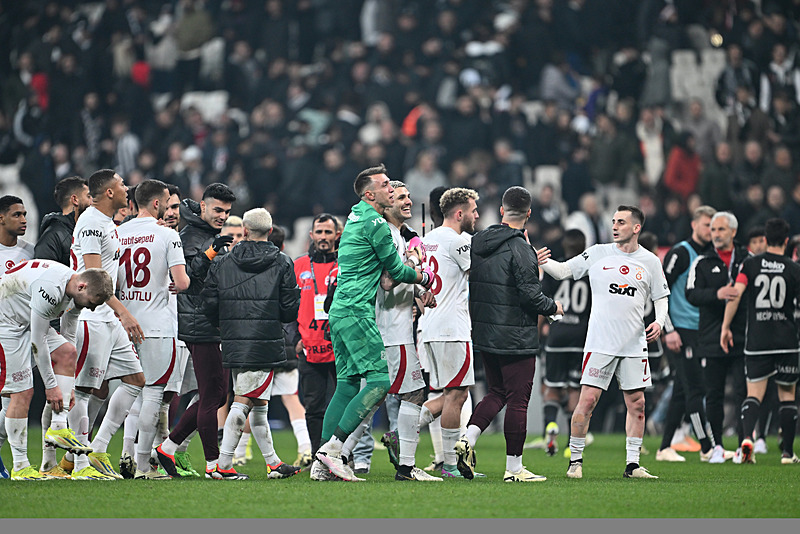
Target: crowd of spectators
point(471, 93)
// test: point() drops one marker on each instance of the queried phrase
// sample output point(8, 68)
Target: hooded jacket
point(248, 293)
point(505, 294)
point(196, 237)
point(55, 238)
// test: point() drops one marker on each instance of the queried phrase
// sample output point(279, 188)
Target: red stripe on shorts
point(84, 350)
point(262, 388)
point(456, 382)
point(585, 361)
point(401, 373)
point(164, 379)
point(3, 367)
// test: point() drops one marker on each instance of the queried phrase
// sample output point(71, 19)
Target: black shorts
point(563, 369)
point(785, 367)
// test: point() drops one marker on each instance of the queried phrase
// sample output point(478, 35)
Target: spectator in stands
point(589, 220)
point(705, 130)
point(650, 133)
point(780, 75)
point(716, 179)
point(425, 175)
point(774, 206)
point(792, 210)
point(738, 72)
point(683, 167)
point(559, 82)
point(611, 158)
point(784, 123)
point(780, 172)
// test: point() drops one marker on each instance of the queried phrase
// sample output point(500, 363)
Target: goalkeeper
point(365, 250)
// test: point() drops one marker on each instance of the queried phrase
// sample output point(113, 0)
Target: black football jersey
point(773, 287)
point(569, 333)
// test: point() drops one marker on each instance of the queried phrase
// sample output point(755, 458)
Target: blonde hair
point(99, 282)
point(258, 221)
point(455, 197)
point(233, 220)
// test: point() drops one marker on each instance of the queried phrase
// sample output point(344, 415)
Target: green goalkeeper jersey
point(365, 250)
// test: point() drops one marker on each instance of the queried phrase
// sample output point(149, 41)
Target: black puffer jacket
point(196, 237)
point(55, 238)
point(248, 293)
point(708, 274)
point(505, 295)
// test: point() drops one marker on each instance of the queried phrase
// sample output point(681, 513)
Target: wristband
point(211, 253)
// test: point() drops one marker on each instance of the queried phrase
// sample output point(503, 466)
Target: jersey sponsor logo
point(177, 244)
point(594, 372)
point(624, 269)
point(21, 376)
point(47, 297)
point(462, 249)
point(430, 248)
point(305, 275)
point(92, 233)
point(771, 266)
point(133, 240)
point(624, 290)
point(353, 217)
point(96, 372)
point(378, 220)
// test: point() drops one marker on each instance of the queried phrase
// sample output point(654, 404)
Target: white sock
point(78, 419)
point(633, 447)
point(210, 466)
point(130, 427)
point(435, 428)
point(241, 447)
point(352, 440)
point(425, 416)
point(118, 406)
point(576, 446)
point(472, 435)
point(513, 464)
point(148, 420)
point(49, 457)
point(162, 430)
point(449, 438)
point(237, 417)
point(58, 420)
point(408, 431)
point(95, 403)
point(169, 447)
point(466, 412)
point(259, 427)
point(301, 435)
point(17, 430)
point(185, 445)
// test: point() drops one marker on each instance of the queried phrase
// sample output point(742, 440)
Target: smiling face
point(215, 212)
point(172, 215)
point(401, 208)
point(236, 231)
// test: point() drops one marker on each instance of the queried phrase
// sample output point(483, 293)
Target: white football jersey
point(448, 258)
point(96, 233)
point(11, 256)
point(393, 308)
point(148, 250)
point(38, 285)
point(622, 284)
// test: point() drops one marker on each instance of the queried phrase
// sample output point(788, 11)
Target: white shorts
point(158, 358)
point(405, 373)
point(54, 339)
point(104, 352)
point(16, 371)
point(253, 384)
point(183, 374)
point(631, 372)
point(285, 383)
point(451, 364)
point(422, 356)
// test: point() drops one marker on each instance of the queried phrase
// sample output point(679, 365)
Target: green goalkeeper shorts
point(357, 347)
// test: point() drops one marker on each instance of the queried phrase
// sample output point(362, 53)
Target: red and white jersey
point(34, 285)
point(96, 233)
point(622, 284)
point(11, 256)
point(448, 255)
point(148, 250)
point(393, 308)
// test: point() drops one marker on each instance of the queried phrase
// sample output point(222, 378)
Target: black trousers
point(716, 374)
point(317, 384)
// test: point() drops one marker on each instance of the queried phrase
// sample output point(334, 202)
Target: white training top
point(96, 233)
point(35, 285)
point(393, 308)
point(148, 250)
point(11, 256)
point(621, 285)
point(448, 257)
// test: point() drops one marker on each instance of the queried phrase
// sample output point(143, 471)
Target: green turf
point(690, 489)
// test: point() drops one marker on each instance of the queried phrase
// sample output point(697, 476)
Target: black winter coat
point(708, 274)
point(505, 295)
point(196, 237)
point(248, 293)
point(55, 238)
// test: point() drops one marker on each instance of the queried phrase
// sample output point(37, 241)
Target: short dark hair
point(364, 179)
point(278, 236)
point(636, 213)
point(7, 201)
point(516, 202)
point(435, 209)
point(220, 192)
point(324, 217)
point(756, 231)
point(649, 240)
point(132, 196)
point(67, 187)
point(574, 242)
point(174, 190)
point(776, 230)
point(98, 181)
point(148, 190)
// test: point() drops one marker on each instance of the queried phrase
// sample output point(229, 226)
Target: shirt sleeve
point(380, 237)
point(90, 240)
point(659, 288)
point(459, 251)
point(44, 298)
point(174, 249)
point(580, 264)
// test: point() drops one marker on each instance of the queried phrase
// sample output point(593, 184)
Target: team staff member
point(366, 249)
point(505, 300)
point(201, 244)
point(315, 352)
point(710, 287)
point(55, 235)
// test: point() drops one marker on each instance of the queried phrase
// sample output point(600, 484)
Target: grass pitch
point(685, 490)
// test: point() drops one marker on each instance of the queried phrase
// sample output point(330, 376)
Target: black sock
point(750, 412)
point(788, 416)
point(630, 467)
point(550, 412)
point(405, 470)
